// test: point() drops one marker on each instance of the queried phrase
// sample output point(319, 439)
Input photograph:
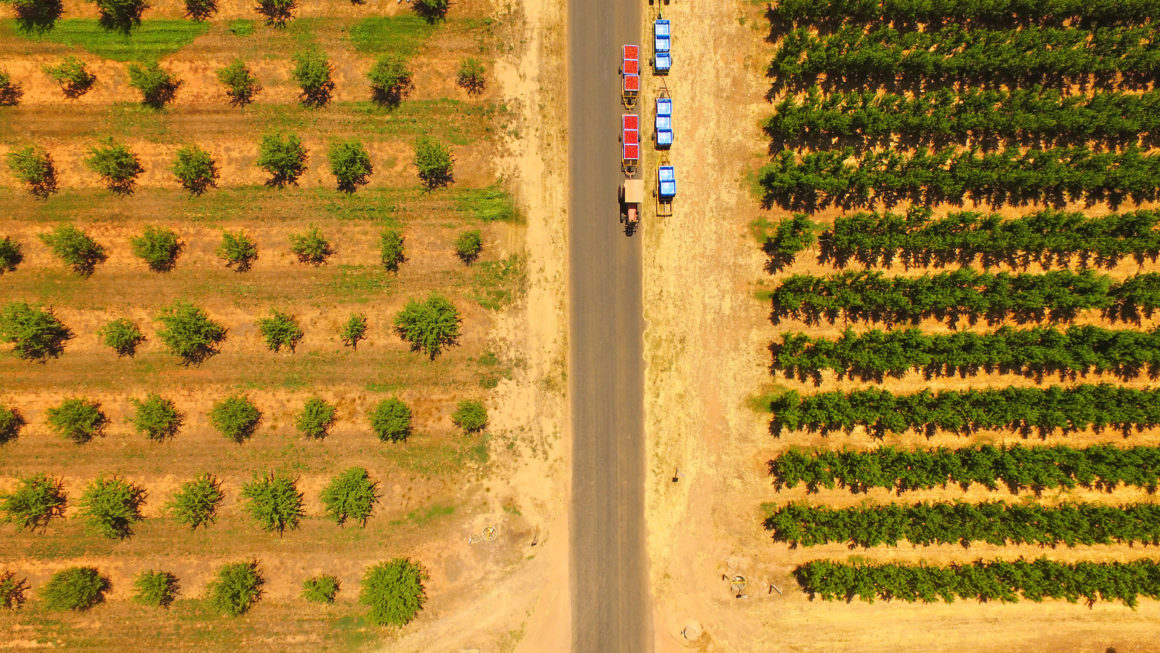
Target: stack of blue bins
point(664, 123)
point(662, 41)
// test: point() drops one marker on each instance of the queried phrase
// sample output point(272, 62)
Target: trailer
point(663, 124)
point(629, 75)
point(666, 189)
point(662, 46)
point(629, 143)
point(631, 195)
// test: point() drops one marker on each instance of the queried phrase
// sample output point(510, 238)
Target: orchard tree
point(241, 85)
point(316, 418)
point(391, 420)
point(471, 76)
point(391, 249)
point(284, 158)
point(11, 254)
point(74, 77)
point(434, 163)
point(311, 246)
point(394, 591)
point(277, 12)
point(157, 85)
point(280, 330)
point(156, 417)
point(74, 588)
point(354, 330)
point(200, 10)
point(390, 80)
point(350, 164)
point(155, 588)
point(470, 415)
point(158, 247)
point(76, 248)
point(34, 502)
point(429, 326)
point(238, 250)
point(431, 10)
point(79, 420)
point(195, 169)
point(10, 91)
point(468, 246)
point(188, 332)
point(196, 503)
point(110, 506)
point(122, 336)
point(11, 421)
point(116, 164)
point(235, 589)
point(320, 589)
point(273, 500)
point(33, 166)
point(36, 16)
point(36, 333)
point(13, 591)
point(351, 495)
point(312, 72)
point(120, 15)
point(235, 417)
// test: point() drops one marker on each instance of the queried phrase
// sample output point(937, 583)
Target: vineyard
point(960, 237)
point(251, 257)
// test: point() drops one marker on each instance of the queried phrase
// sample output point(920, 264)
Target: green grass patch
point(241, 27)
point(490, 204)
point(152, 40)
point(359, 283)
point(403, 34)
point(498, 283)
point(422, 517)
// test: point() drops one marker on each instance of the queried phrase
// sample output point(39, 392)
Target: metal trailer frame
point(663, 120)
point(666, 178)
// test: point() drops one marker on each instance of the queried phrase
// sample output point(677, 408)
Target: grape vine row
point(1085, 12)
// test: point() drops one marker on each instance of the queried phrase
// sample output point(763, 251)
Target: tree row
point(1017, 467)
point(1035, 117)
point(1088, 13)
point(874, 354)
point(966, 294)
point(994, 580)
point(820, 179)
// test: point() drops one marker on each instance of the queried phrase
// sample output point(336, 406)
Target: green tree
point(157, 418)
point(235, 417)
point(394, 591)
point(238, 250)
point(37, 333)
point(33, 166)
point(13, 591)
point(354, 330)
point(320, 589)
point(10, 91)
point(429, 326)
point(74, 588)
point(122, 336)
point(11, 254)
point(434, 162)
point(155, 588)
point(280, 330)
point(76, 248)
point(200, 10)
point(390, 80)
point(11, 421)
point(431, 10)
point(351, 495)
point(316, 418)
point(79, 420)
point(235, 589)
point(468, 246)
point(241, 85)
point(391, 249)
point(350, 164)
point(284, 158)
point(111, 506)
point(36, 16)
point(471, 76)
point(196, 503)
point(312, 72)
point(470, 415)
point(195, 169)
point(158, 247)
point(391, 420)
point(157, 86)
point(120, 15)
point(188, 332)
point(74, 77)
point(116, 164)
point(277, 12)
point(311, 246)
point(273, 500)
point(36, 501)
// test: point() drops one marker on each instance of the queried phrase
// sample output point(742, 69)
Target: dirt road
point(610, 606)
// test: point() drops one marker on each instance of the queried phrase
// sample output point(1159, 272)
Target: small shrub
point(33, 166)
point(354, 330)
point(471, 76)
point(195, 169)
point(390, 80)
point(155, 588)
point(394, 591)
point(316, 418)
point(10, 91)
point(431, 10)
point(157, 418)
point(468, 246)
point(470, 415)
point(434, 162)
point(283, 158)
point(11, 421)
point(277, 12)
point(350, 164)
point(122, 336)
point(241, 85)
point(235, 417)
point(37, 333)
point(312, 72)
point(274, 502)
point(391, 420)
point(391, 249)
point(74, 77)
point(158, 247)
point(351, 495)
point(116, 164)
point(196, 503)
point(311, 246)
point(36, 501)
point(320, 589)
point(79, 420)
point(429, 326)
point(36, 16)
point(13, 591)
point(120, 15)
point(11, 254)
point(188, 332)
point(200, 10)
point(280, 330)
point(111, 506)
point(157, 86)
point(75, 588)
point(238, 250)
point(235, 589)
point(76, 248)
